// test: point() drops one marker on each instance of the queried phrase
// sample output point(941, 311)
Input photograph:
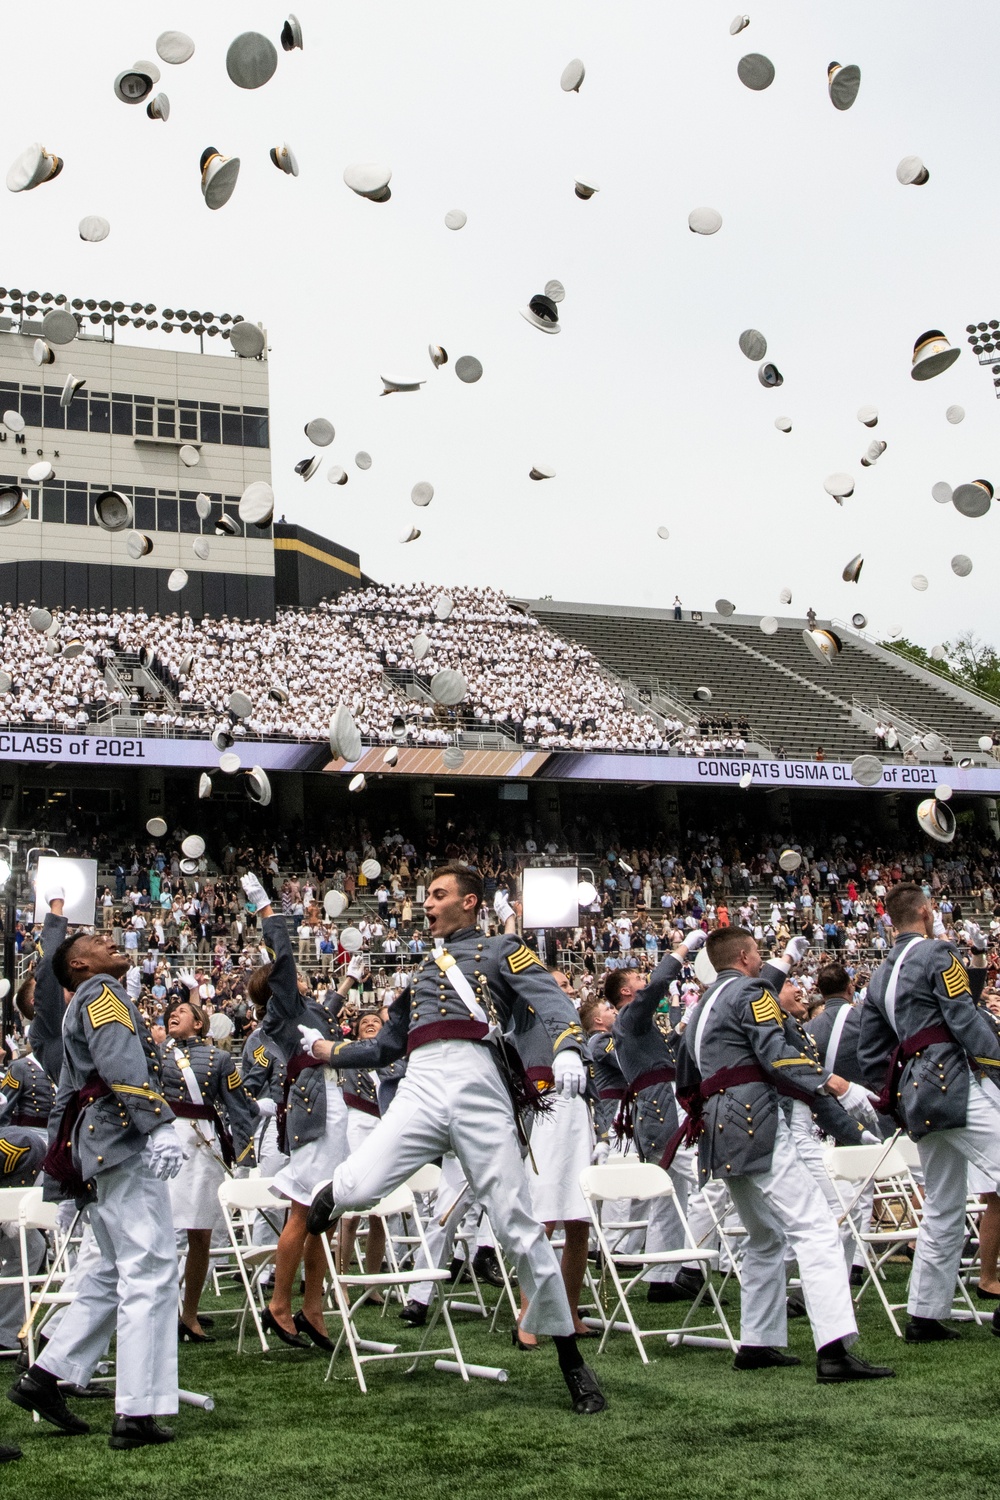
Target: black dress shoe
point(457, 1270)
point(487, 1267)
point(414, 1313)
point(138, 1432)
point(188, 1335)
point(8, 1455)
point(795, 1306)
point(838, 1369)
point(44, 1396)
point(270, 1324)
point(858, 1276)
point(317, 1335)
point(928, 1331)
point(583, 1387)
point(321, 1210)
point(91, 1392)
point(690, 1282)
point(985, 1296)
point(666, 1291)
point(761, 1357)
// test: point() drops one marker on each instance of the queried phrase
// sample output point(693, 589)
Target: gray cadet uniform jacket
point(845, 1062)
point(287, 1010)
point(511, 985)
point(108, 1049)
point(28, 1093)
point(608, 1082)
point(732, 1083)
point(360, 1090)
point(646, 1049)
point(227, 1107)
point(21, 1156)
point(45, 1031)
point(262, 1067)
point(940, 1033)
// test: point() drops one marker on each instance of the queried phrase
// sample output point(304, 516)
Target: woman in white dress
point(312, 1124)
point(204, 1089)
point(562, 1144)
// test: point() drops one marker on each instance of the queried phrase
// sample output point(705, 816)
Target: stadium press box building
point(125, 429)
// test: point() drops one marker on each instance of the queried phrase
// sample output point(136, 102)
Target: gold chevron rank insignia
point(522, 958)
point(108, 1008)
point(10, 1082)
point(955, 979)
point(260, 1056)
point(766, 1009)
point(234, 1080)
point(10, 1156)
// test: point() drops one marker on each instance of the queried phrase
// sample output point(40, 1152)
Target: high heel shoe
point(985, 1296)
point(270, 1324)
point(515, 1338)
point(318, 1337)
point(189, 1336)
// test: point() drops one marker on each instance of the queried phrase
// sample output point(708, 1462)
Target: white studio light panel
point(550, 897)
point(78, 878)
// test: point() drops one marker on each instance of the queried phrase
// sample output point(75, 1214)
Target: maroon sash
point(184, 1109)
point(58, 1162)
point(624, 1127)
point(899, 1057)
point(298, 1064)
point(726, 1078)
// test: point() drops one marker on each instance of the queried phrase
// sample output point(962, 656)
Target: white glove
point(695, 940)
point(356, 967)
point(796, 949)
point(310, 1036)
point(163, 1153)
point(868, 1138)
point(570, 1074)
point(267, 1107)
point(938, 925)
point(133, 983)
point(65, 1214)
point(54, 893)
point(255, 891)
point(187, 979)
point(12, 1046)
point(502, 906)
point(599, 1155)
point(976, 938)
point(858, 1103)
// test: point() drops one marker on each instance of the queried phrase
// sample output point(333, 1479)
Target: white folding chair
point(241, 1198)
point(11, 1201)
point(896, 1211)
point(344, 1284)
point(643, 1181)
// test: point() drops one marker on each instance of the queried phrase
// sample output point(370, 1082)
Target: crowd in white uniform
point(551, 693)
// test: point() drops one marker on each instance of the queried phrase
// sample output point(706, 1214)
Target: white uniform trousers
point(453, 1193)
point(944, 1156)
point(665, 1231)
point(132, 1288)
point(453, 1098)
point(810, 1149)
point(785, 1203)
point(87, 1258)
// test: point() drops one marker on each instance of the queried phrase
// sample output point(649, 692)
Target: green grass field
point(686, 1426)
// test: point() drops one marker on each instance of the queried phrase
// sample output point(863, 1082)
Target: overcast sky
point(643, 404)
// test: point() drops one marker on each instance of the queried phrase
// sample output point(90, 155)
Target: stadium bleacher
point(793, 701)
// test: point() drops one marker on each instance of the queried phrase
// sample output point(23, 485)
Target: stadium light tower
point(985, 341)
